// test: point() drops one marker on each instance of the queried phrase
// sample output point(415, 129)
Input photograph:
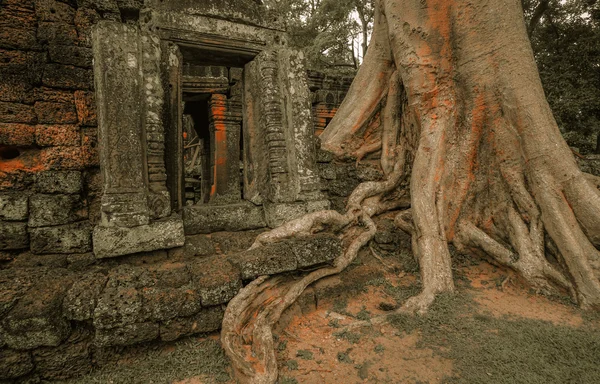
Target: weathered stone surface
point(55, 113)
point(47, 210)
point(116, 241)
point(52, 10)
point(118, 306)
point(170, 274)
point(71, 238)
point(317, 249)
point(217, 280)
point(36, 320)
point(195, 245)
point(207, 320)
point(71, 55)
point(56, 33)
point(14, 364)
point(118, 85)
point(21, 135)
point(13, 206)
point(16, 113)
point(277, 214)
point(68, 182)
point(68, 360)
point(235, 242)
point(53, 95)
point(214, 218)
point(160, 304)
point(85, 104)
point(267, 260)
point(57, 135)
point(30, 260)
point(82, 298)
point(67, 77)
point(126, 335)
point(13, 235)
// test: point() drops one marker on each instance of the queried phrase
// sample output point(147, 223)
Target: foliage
point(327, 30)
point(566, 44)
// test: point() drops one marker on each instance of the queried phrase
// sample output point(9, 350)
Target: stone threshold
point(54, 316)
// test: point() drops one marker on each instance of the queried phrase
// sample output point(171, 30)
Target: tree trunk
point(465, 117)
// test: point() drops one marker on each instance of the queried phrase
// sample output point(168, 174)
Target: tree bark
point(465, 117)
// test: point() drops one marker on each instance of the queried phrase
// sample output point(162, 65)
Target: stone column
point(125, 110)
point(225, 118)
point(117, 74)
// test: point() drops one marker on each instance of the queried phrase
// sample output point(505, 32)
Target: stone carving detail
point(271, 120)
point(159, 199)
point(117, 73)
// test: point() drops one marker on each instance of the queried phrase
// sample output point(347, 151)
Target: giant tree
point(468, 135)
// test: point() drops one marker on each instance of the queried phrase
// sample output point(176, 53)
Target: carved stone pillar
point(225, 129)
point(117, 73)
point(127, 102)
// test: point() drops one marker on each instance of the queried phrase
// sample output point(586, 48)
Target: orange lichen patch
point(85, 106)
point(57, 135)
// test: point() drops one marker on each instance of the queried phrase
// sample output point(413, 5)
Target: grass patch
point(288, 380)
point(292, 365)
point(344, 357)
point(363, 314)
point(334, 323)
point(485, 349)
point(351, 337)
point(304, 354)
point(188, 358)
point(379, 349)
point(282, 346)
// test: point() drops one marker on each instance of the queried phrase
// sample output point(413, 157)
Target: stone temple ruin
point(143, 146)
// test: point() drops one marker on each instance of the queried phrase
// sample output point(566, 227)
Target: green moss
point(363, 314)
point(379, 348)
point(344, 357)
point(282, 346)
point(287, 380)
point(352, 337)
point(304, 354)
point(486, 349)
point(334, 323)
point(292, 365)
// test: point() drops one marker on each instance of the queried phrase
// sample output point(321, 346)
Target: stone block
point(68, 158)
point(195, 245)
point(68, 182)
point(117, 307)
point(52, 10)
point(13, 206)
point(67, 77)
point(21, 135)
point(214, 218)
point(16, 113)
point(13, 235)
point(277, 214)
point(118, 241)
point(170, 274)
point(57, 135)
point(47, 210)
point(267, 260)
point(81, 300)
point(71, 55)
point(30, 260)
point(84, 19)
point(317, 249)
point(130, 334)
point(229, 242)
point(19, 38)
point(56, 33)
point(14, 364)
point(55, 113)
point(85, 104)
point(216, 279)
point(53, 95)
point(207, 320)
point(71, 238)
point(68, 360)
point(161, 304)
point(36, 320)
